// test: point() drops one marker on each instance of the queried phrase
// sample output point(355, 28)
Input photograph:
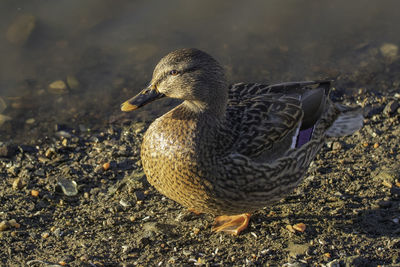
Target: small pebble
point(196, 231)
point(106, 166)
point(125, 248)
point(124, 203)
point(7, 151)
point(110, 221)
point(30, 121)
point(3, 226)
point(45, 235)
point(327, 255)
point(389, 50)
point(301, 227)
point(4, 118)
point(13, 223)
point(58, 87)
point(35, 193)
point(387, 184)
point(49, 152)
point(290, 228)
point(200, 261)
point(172, 260)
point(391, 108)
point(21, 29)
point(68, 187)
point(63, 134)
point(271, 214)
point(376, 145)
point(17, 184)
point(16, 105)
point(139, 195)
point(43, 159)
point(72, 82)
point(336, 146)
point(186, 252)
point(64, 142)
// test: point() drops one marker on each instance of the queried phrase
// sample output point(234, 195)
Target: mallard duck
point(231, 150)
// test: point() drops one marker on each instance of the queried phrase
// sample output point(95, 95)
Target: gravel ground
point(349, 203)
point(79, 198)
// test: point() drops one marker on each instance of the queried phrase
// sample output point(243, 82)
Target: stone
point(391, 108)
point(68, 187)
point(139, 195)
point(7, 151)
point(72, 82)
point(389, 50)
point(58, 87)
point(21, 29)
point(336, 146)
point(384, 204)
point(30, 121)
point(4, 118)
point(3, 226)
point(17, 184)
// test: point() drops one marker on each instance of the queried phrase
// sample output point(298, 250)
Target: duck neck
point(213, 103)
point(201, 108)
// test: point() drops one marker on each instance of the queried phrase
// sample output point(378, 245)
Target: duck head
point(187, 74)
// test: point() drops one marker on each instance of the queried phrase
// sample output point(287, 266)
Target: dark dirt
point(349, 200)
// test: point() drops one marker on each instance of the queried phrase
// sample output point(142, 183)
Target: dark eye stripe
point(162, 78)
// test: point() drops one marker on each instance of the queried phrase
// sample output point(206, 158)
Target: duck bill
point(146, 96)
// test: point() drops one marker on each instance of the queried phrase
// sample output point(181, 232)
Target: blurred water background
point(70, 63)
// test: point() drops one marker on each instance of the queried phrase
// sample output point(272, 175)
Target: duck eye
point(174, 72)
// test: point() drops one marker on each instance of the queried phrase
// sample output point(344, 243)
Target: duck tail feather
point(349, 121)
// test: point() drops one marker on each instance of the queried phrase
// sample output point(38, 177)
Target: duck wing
point(260, 116)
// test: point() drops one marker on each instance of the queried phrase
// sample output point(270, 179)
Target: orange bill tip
point(126, 106)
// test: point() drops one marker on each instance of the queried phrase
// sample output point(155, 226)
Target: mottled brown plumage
point(232, 150)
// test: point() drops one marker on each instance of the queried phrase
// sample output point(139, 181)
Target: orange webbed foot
point(233, 224)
